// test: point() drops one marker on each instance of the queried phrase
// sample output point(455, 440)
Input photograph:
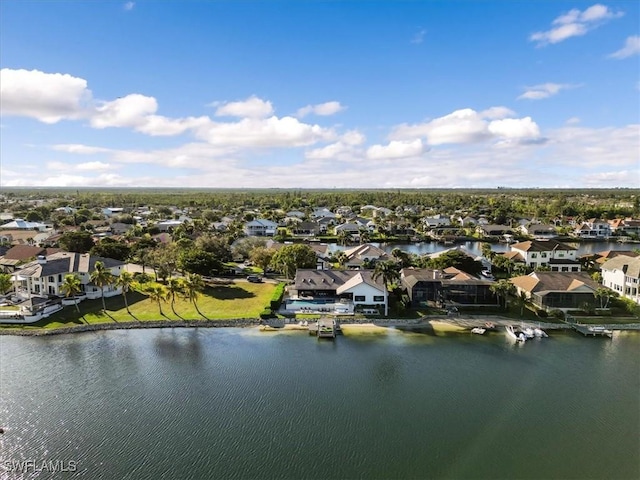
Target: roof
point(630, 265)
point(545, 282)
point(66, 262)
point(365, 250)
point(307, 279)
point(23, 252)
point(541, 246)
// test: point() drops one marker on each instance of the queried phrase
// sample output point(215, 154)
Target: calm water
point(240, 403)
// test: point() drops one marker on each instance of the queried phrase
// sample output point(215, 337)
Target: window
point(51, 279)
point(543, 254)
point(378, 298)
point(534, 255)
point(359, 298)
point(60, 278)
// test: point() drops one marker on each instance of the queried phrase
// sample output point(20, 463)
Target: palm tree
point(157, 293)
point(604, 295)
point(343, 237)
point(101, 277)
point(71, 287)
point(5, 283)
point(387, 270)
point(192, 286)
point(124, 281)
point(523, 301)
point(174, 287)
point(502, 289)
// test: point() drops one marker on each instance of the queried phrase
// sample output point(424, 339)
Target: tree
point(5, 283)
point(71, 287)
point(523, 300)
point(388, 271)
point(101, 277)
point(110, 248)
point(218, 246)
point(604, 295)
point(199, 261)
point(292, 257)
point(487, 252)
point(80, 242)
point(344, 237)
point(262, 257)
point(242, 248)
point(502, 289)
point(401, 257)
point(124, 281)
point(457, 259)
point(174, 287)
point(156, 293)
point(192, 286)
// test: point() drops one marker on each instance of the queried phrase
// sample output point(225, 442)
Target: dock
point(326, 328)
point(592, 330)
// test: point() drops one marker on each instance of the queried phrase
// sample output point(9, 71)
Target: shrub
point(276, 298)
point(266, 313)
point(542, 313)
point(559, 314)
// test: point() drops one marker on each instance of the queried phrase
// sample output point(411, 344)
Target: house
point(539, 231)
point(18, 237)
point(260, 227)
point(557, 290)
point(323, 213)
point(467, 221)
point(622, 274)
point(111, 211)
point(595, 260)
point(20, 224)
point(489, 230)
point(450, 286)
point(358, 256)
point(22, 253)
point(436, 221)
point(301, 228)
point(594, 228)
point(559, 257)
point(348, 227)
point(119, 228)
point(45, 275)
point(351, 288)
point(625, 226)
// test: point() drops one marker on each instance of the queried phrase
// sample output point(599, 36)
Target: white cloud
point(47, 97)
point(322, 109)
point(85, 167)
point(252, 107)
point(79, 149)
point(573, 121)
point(418, 38)
point(611, 179)
point(631, 47)
point(395, 149)
point(129, 6)
point(129, 111)
point(544, 90)
point(574, 24)
point(265, 133)
point(468, 126)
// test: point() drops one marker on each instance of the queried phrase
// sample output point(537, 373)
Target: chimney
point(41, 259)
point(436, 274)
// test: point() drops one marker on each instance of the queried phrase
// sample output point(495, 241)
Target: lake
point(242, 403)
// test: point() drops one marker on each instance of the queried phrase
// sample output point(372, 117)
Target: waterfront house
point(622, 274)
point(450, 287)
point(539, 231)
point(349, 288)
point(45, 275)
point(557, 290)
point(358, 257)
point(594, 228)
point(625, 226)
point(493, 231)
point(557, 256)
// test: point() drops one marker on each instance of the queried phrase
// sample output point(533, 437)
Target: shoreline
point(462, 323)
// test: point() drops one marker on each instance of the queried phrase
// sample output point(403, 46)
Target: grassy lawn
point(238, 300)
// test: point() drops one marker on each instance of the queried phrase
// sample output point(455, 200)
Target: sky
point(320, 94)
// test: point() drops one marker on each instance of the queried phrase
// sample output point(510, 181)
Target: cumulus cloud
point(47, 97)
point(129, 111)
point(321, 109)
point(468, 126)
point(79, 149)
point(544, 90)
point(575, 23)
point(395, 149)
point(252, 107)
point(85, 167)
point(611, 179)
point(631, 47)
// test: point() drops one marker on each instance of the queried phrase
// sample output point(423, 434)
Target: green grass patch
point(241, 300)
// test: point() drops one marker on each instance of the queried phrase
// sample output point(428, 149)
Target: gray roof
point(332, 279)
point(66, 262)
point(630, 265)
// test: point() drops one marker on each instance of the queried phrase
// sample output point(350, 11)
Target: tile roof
point(630, 265)
point(540, 282)
point(541, 246)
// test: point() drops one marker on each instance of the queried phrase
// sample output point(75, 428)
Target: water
point(240, 403)
point(422, 248)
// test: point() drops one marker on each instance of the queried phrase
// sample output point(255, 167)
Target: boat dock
point(326, 328)
point(592, 330)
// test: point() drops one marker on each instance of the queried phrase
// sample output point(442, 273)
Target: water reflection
point(172, 344)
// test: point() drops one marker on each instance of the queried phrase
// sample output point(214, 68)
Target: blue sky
point(320, 94)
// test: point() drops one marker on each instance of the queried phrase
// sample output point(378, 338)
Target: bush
point(559, 314)
point(542, 313)
point(276, 298)
point(266, 313)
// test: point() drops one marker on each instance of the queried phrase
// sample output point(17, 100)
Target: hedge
point(276, 298)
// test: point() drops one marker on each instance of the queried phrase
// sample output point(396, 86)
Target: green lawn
point(238, 300)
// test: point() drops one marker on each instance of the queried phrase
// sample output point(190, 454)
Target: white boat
point(528, 332)
point(512, 334)
point(538, 332)
point(478, 330)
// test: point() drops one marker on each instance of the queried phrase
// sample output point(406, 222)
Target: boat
point(528, 332)
point(539, 333)
point(478, 330)
point(514, 335)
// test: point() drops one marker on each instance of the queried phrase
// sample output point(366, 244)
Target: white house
point(21, 224)
point(558, 256)
point(350, 288)
point(45, 275)
point(594, 228)
point(622, 274)
point(357, 256)
point(260, 227)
